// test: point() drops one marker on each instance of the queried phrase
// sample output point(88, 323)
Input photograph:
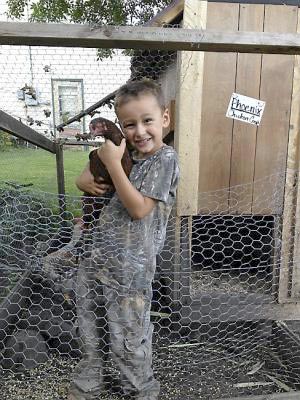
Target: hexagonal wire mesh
point(218, 347)
point(215, 283)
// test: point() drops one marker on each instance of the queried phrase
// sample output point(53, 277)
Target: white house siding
point(20, 65)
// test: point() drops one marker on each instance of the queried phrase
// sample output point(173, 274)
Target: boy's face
point(142, 121)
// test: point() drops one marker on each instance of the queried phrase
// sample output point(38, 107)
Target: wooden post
point(295, 128)
point(289, 265)
point(295, 167)
point(186, 259)
point(60, 178)
point(188, 114)
point(187, 131)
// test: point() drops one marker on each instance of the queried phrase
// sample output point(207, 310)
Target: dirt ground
point(185, 370)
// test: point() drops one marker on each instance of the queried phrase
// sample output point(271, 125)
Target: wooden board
point(274, 396)
point(289, 265)
point(221, 307)
point(123, 37)
point(244, 135)
point(60, 173)
point(293, 166)
point(17, 128)
point(216, 129)
point(295, 262)
point(168, 14)
point(272, 135)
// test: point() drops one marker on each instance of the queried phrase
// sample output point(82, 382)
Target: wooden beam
point(60, 169)
point(189, 111)
point(124, 37)
point(175, 267)
point(295, 284)
point(295, 128)
point(73, 142)
point(87, 111)
point(17, 128)
point(60, 178)
point(219, 307)
point(290, 239)
point(167, 15)
point(273, 396)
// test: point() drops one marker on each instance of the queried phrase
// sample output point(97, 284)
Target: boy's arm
point(86, 183)
point(137, 205)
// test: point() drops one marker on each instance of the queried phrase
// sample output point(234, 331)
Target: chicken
point(107, 129)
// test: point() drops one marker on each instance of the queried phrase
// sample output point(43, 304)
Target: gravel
point(186, 371)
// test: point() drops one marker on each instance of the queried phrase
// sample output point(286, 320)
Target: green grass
point(39, 168)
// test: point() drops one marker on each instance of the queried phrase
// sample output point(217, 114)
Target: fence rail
point(124, 37)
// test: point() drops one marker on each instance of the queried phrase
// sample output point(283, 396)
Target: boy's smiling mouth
point(142, 141)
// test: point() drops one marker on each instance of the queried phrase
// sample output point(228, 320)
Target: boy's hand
point(97, 189)
point(109, 153)
point(86, 183)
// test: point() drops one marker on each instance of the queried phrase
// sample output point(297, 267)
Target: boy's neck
point(141, 156)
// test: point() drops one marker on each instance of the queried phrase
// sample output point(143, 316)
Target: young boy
point(114, 280)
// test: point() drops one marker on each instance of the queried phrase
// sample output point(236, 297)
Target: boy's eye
point(147, 120)
point(126, 126)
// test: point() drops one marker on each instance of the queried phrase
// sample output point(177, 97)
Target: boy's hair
point(134, 89)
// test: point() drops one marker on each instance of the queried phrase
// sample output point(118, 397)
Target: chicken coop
point(226, 296)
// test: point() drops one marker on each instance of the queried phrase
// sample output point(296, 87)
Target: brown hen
point(109, 130)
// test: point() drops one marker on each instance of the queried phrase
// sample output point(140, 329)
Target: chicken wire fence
point(221, 261)
point(217, 274)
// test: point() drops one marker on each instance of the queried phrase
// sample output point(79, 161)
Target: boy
point(114, 280)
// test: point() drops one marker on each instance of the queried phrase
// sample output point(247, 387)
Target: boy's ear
point(166, 118)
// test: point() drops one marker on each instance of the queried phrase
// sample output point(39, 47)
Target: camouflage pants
point(121, 322)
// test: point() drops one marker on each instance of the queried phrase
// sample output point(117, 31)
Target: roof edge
point(167, 15)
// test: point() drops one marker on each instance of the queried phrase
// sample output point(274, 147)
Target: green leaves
point(94, 12)
point(112, 12)
point(16, 8)
point(50, 10)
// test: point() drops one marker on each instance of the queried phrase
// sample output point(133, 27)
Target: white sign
point(245, 109)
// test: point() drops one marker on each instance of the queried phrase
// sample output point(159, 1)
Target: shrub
point(7, 141)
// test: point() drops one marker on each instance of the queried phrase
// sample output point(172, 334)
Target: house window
point(68, 102)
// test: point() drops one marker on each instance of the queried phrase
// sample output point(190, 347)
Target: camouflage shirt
point(124, 249)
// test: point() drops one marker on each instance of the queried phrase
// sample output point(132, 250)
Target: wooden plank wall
point(244, 135)
point(276, 90)
point(234, 153)
point(216, 129)
point(289, 274)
